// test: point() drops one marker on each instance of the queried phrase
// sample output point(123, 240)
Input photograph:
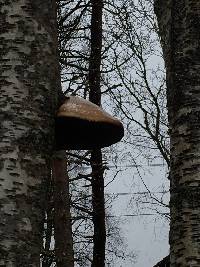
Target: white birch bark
point(179, 24)
point(29, 80)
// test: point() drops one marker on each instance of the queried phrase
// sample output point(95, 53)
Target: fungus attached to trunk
point(81, 124)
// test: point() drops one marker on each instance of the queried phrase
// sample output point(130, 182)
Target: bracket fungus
point(81, 124)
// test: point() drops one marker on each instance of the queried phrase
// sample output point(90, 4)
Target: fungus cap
point(80, 124)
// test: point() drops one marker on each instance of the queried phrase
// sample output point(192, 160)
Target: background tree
point(128, 81)
point(94, 82)
point(61, 211)
point(136, 89)
point(77, 78)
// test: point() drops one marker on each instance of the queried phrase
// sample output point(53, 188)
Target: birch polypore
point(81, 124)
point(29, 81)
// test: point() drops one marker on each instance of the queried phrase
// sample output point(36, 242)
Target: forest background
point(132, 84)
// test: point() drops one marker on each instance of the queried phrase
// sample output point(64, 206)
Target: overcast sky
point(146, 235)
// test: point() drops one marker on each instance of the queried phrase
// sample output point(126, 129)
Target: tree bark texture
point(94, 79)
point(62, 217)
point(179, 25)
point(29, 84)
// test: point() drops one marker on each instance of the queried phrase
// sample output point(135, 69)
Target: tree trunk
point(98, 205)
point(94, 76)
point(29, 84)
point(179, 25)
point(62, 216)
point(96, 155)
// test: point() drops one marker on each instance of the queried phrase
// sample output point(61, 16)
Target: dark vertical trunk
point(94, 76)
point(98, 209)
point(29, 84)
point(62, 217)
point(96, 155)
point(179, 24)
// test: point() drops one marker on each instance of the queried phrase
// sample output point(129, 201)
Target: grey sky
point(146, 235)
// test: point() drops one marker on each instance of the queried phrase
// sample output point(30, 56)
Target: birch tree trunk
point(29, 82)
point(179, 25)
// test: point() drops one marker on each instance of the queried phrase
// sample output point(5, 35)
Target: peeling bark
point(29, 84)
point(179, 24)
